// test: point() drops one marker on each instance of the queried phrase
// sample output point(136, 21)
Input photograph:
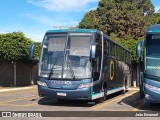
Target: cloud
point(35, 35)
point(52, 22)
point(63, 5)
point(41, 19)
point(157, 9)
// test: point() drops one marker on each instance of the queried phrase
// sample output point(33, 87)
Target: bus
point(150, 67)
point(81, 64)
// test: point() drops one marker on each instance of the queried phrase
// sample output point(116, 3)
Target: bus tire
point(102, 99)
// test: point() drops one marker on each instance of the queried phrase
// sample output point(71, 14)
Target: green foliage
point(130, 45)
point(125, 21)
point(15, 47)
point(90, 20)
point(124, 18)
point(158, 19)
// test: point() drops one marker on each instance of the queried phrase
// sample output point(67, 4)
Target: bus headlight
point(41, 83)
point(151, 87)
point(85, 85)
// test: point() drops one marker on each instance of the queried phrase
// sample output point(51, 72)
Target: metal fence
point(17, 74)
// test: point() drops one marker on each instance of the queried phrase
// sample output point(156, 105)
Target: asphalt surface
point(28, 100)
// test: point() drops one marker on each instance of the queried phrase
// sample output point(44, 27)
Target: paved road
point(28, 100)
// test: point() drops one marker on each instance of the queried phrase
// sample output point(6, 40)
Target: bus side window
point(106, 48)
point(128, 57)
point(112, 49)
point(118, 54)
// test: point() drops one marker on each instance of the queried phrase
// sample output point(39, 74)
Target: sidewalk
point(133, 88)
point(8, 89)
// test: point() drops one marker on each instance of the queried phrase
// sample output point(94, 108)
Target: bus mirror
point(138, 48)
point(31, 51)
point(93, 51)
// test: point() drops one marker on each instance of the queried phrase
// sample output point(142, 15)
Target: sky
point(35, 17)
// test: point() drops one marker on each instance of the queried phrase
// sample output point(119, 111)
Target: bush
point(15, 47)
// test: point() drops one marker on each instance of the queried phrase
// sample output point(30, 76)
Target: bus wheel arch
point(105, 90)
point(103, 98)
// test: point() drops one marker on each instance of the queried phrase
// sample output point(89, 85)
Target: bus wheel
point(102, 99)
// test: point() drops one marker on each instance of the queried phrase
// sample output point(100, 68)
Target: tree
point(90, 20)
point(121, 18)
point(15, 47)
point(158, 19)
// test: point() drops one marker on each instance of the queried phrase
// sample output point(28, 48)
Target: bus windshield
point(152, 59)
point(66, 56)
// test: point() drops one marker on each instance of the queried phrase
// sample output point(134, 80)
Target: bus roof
point(73, 30)
point(154, 29)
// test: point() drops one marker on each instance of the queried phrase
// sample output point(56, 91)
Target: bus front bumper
point(152, 96)
point(77, 94)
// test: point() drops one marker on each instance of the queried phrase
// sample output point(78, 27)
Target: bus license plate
point(61, 94)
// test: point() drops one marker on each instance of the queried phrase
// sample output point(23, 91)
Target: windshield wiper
point(51, 71)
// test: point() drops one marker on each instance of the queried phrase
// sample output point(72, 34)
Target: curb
point(17, 89)
point(133, 88)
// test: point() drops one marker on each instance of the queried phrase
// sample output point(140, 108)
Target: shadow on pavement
point(135, 101)
point(73, 103)
point(70, 103)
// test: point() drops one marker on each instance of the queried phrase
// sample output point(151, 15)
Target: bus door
point(97, 83)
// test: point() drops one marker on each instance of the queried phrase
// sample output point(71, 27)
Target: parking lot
point(28, 100)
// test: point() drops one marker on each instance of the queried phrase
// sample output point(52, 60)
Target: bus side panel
point(120, 73)
point(111, 79)
point(108, 76)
